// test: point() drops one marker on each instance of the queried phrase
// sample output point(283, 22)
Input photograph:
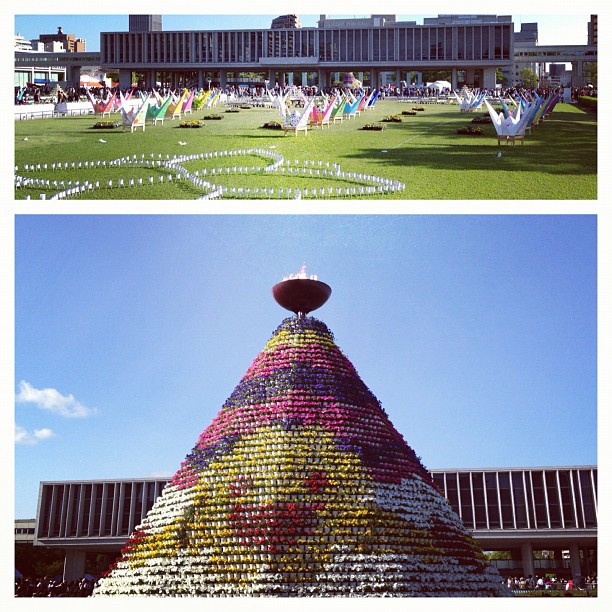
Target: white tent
point(87, 79)
point(440, 85)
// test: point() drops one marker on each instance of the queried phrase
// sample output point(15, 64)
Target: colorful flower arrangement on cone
point(301, 486)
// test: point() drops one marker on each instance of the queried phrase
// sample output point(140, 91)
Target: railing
point(48, 114)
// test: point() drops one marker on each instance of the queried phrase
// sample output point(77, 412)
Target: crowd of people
point(50, 587)
point(35, 94)
point(551, 583)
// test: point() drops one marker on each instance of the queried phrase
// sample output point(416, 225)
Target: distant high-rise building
point(592, 31)
point(71, 43)
point(528, 34)
point(21, 44)
point(145, 23)
point(374, 21)
point(286, 21)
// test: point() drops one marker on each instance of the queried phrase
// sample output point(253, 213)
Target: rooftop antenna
point(301, 293)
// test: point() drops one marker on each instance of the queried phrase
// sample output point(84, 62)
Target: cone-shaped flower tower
point(301, 486)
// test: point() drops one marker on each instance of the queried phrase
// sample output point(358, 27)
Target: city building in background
point(285, 21)
point(69, 42)
point(379, 50)
point(145, 23)
point(592, 31)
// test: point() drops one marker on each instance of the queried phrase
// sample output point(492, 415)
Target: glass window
point(467, 512)
point(539, 499)
point(438, 479)
point(410, 44)
point(108, 513)
point(478, 36)
point(492, 500)
point(480, 515)
point(376, 44)
point(498, 42)
point(125, 510)
point(554, 503)
point(448, 44)
point(587, 498)
point(506, 500)
point(451, 491)
point(86, 492)
point(567, 502)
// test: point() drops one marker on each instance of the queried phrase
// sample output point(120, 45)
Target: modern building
point(21, 44)
point(145, 23)
point(70, 42)
point(520, 510)
point(471, 53)
point(377, 50)
point(24, 531)
point(592, 31)
point(525, 38)
point(285, 21)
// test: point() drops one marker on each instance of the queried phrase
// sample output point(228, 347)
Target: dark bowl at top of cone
point(301, 295)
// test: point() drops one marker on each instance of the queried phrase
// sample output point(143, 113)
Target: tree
point(498, 554)
point(590, 71)
point(500, 77)
point(528, 77)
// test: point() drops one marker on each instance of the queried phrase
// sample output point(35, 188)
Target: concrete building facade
point(470, 52)
point(520, 510)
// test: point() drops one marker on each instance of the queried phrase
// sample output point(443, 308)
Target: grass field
point(558, 160)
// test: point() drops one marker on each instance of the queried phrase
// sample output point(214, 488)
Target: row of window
point(482, 42)
point(95, 509)
point(513, 499)
point(522, 499)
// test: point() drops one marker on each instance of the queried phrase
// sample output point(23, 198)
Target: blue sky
point(561, 28)
point(478, 334)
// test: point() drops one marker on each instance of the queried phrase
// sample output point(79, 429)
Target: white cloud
point(52, 400)
point(23, 436)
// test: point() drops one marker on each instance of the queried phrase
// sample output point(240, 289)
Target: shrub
point(468, 130)
point(588, 102)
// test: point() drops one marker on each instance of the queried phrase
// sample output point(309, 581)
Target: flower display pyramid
point(301, 486)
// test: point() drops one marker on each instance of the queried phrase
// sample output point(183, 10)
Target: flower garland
point(361, 185)
point(301, 486)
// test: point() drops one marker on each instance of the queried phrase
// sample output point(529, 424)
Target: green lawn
point(557, 161)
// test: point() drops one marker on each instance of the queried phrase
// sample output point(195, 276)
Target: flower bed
point(470, 131)
point(374, 127)
point(409, 113)
point(106, 125)
point(392, 119)
point(418, 108)
point(213, 117)
point(193, 123)
point(484, 120)
point(273, 125)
